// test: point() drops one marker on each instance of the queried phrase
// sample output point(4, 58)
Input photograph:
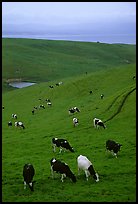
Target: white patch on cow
point(24, 184)
point(56, 138)
point(31, 184)
point(97, 177)
point(20, 123)
point(54, 160)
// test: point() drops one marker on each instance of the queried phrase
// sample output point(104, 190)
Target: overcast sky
point(69, 18)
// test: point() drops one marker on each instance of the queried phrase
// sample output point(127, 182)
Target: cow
point(19, 124)
point(2, 107)
point(85, 165)
point(9, 123)
point(51, 86)
point(90, 92)
point(75, 122)
point(48, 100)
point(41, 106)
point(61, 143)
point(28, 174)
point(98, 123)
point(14, 116)
point(73, 110)
point(49, 104)
point(113, 147)
point(33, 112)
point(102, 96)
point(62, 168)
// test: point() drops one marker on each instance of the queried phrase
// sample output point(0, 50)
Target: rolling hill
point(108, 74)
point(47, 60)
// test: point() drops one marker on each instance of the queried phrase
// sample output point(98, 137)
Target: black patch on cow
point(62, 168)
point(28, 173)
point(92, 172)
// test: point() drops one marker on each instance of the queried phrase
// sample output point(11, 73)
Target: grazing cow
point(98, 123)
point(48, 100)
point(41, 106)
point(102, 96)
point(113, 147)
point(14, 116)
point(35, 107)
point(62, 168)
point(28, 173)
point(19, 124)
point(33, 112)
point(60, 83)
point(51, 86)
point(90, 92)
point(9, 123)
point(61, 143)
point(85, 165)
point(75, 122)
point(2, 107)
point(73, 110)
point(49, 104)
point(134, 77)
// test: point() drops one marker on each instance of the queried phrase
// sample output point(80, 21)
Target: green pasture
point(46, 60)
point(110, 69)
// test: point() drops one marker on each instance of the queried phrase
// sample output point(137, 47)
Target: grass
point(117, 176)
point(47, 60)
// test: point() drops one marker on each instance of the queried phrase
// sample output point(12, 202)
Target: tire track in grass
point(121, 105)
point(117, 112)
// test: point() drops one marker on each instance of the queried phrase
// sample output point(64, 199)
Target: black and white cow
point(41, 106)
point(75, 122)
point(102, 96)
point(73, 110)
point(48, 100)
point(113, 147)
point(49, 104)
point(28, 174)
point(98, 123)
point(62, 168)
point(19, 124)
point(9, 123)
point(85, 165)
point(14, 116)
point(33, 112)
point(62, 144)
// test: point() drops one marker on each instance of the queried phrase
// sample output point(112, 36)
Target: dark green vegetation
point(45, 60)
point(118, 108)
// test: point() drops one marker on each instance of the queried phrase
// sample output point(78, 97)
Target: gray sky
point(67, 18)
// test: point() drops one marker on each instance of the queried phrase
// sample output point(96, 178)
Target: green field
point(33, 144)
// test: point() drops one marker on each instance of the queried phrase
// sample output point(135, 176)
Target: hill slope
point(117, 176)
point(45, 60)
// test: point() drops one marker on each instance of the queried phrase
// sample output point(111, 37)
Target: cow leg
point(54, 148)
point(52, 172)
point(87, 174)
point(62, 177)
point(78, 171)
point(24, 184)
point(60, 150)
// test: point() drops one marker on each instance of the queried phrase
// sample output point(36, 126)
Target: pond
point(21, 84)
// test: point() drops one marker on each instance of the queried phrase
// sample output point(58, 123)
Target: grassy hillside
point(45, 60)
point(117, 176)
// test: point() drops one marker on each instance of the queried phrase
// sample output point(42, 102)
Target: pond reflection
point(21, 84)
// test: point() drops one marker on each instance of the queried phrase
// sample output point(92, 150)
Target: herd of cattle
point(83, 163)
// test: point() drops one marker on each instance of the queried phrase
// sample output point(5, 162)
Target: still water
point(21, 84)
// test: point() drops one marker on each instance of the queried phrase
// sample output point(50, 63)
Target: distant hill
point(46, 60)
